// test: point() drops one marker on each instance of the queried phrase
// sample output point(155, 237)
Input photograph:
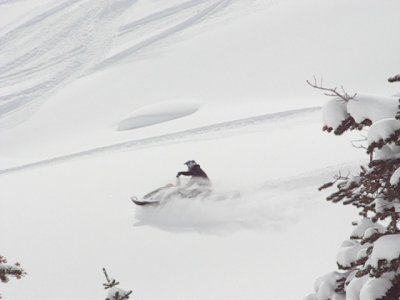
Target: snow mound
point(158, 113)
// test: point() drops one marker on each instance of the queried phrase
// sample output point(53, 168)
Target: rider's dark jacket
point(197, 174)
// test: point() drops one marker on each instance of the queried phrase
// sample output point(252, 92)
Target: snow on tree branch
point(114, 293)
point(7, 271)
point(369, 262)
point(355, 115)
point(383, 133)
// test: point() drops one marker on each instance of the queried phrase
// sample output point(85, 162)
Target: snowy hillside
point(103, 100)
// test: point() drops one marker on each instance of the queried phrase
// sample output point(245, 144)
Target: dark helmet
point(190, 164)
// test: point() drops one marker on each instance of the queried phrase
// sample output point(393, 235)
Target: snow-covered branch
point(371, 257)
point(7, 271)
point(114, 293)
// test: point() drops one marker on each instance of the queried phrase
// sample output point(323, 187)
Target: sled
point(144, 203)
point(170, 191)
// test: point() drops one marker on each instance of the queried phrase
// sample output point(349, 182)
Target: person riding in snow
point(198, 175)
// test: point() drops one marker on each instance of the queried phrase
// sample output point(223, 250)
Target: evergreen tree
point(369, 261)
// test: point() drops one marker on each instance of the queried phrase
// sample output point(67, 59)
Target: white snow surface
point(71, 72)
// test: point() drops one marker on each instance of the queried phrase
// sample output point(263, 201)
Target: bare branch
point(105, 274)
point(358, 146)
point(359, 142)
point(332, 92)
point(341, 177)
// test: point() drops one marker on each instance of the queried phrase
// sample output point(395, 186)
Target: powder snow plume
point(224, 212)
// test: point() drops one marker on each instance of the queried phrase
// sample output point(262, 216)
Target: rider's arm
point(188, 173)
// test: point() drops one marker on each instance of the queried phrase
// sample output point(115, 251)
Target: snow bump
point(158, 113)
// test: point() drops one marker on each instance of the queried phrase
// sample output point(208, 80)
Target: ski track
point(83, 23)
point(71, 39)
point(205, 132)
point(28, 27)
point(10, 1)
point(158, 15)
point(197, 18)
point(29, 73)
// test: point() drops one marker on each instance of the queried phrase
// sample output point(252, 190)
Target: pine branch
point(373, 194)
point(393, 138)
point(394, 291)
point(110, 282)
point(115, 294)
point(394, 78)
point(7, 271)
point(10, 270)
point(348, 124)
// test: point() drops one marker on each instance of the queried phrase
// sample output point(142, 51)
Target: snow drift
point(158, 113)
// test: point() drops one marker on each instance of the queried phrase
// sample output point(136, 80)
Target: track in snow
point(72, 38)
point(205, 132)
point(165, 33)
point(9, 1)
point(52, 49)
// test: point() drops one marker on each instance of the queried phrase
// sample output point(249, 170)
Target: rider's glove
point(179, 174)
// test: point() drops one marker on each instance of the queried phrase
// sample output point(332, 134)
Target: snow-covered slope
point(72, 72)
